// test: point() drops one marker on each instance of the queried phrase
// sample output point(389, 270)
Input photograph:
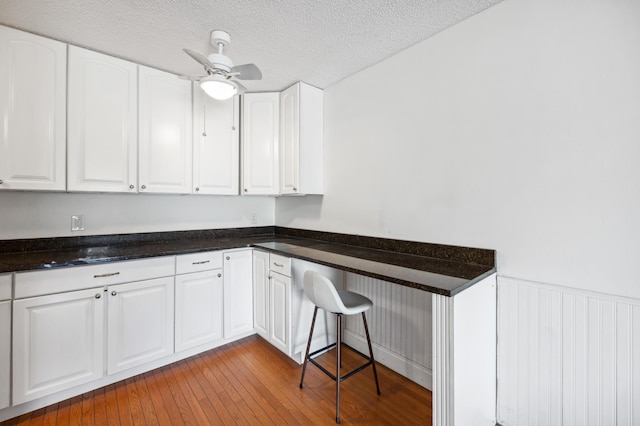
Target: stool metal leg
point(338, 364)
point(373, 363)
point(306, 356)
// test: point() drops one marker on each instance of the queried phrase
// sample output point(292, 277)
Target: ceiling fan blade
point(247, 72)
point(200, 58)
point(191, 77)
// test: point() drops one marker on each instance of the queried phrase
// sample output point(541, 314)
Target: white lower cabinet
point(280, 311)
point(140, 323)
point(261, 293)
point(58, 342)
point(71, 325)
point(238, 293)
point(5, 340)
point(272, 299)
point(199, 309)
point(5, 352)
point(283, 313)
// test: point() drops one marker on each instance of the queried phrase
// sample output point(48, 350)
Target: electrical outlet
point(254, 218)
point(77, 222)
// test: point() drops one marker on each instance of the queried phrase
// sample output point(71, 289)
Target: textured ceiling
point(317, 41)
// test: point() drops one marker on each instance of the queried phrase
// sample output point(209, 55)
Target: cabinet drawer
point(197, 262)
point(280, 264)
point(37, 283)
point(5, 287)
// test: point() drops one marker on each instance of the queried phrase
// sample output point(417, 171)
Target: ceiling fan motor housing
point(220, 61)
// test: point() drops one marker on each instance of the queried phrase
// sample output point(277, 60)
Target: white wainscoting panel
point(566, 356)
point(399, 325)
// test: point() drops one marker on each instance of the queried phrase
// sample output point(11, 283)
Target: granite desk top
point(445, 270)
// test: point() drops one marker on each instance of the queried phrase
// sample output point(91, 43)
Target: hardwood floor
point(245, 382)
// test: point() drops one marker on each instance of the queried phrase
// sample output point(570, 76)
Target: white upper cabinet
point(102, 123)
point(260, 133)
point(216, 144)
point(165, 124)
point(32, 111)
point(301, 140)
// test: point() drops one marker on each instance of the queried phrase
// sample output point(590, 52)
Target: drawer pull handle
point(201, 262)
point(279, 265)
point(106, 275)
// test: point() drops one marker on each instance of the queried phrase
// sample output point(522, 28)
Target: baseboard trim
point(415, 372)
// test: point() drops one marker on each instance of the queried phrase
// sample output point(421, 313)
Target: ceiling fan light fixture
point(218, 87)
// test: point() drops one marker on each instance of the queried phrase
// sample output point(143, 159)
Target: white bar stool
point(321, 291)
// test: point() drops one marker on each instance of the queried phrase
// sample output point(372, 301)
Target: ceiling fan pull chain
point(204, 117)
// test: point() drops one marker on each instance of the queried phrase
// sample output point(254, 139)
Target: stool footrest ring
point(327, 372)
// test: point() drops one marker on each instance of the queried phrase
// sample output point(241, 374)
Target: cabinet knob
point(98, 295)
point(245, 190)
point(131, 186)
point(143, 187)
point(197, 189)
point(113, 293)
point(1, 182)
point(219, 275)
point(295, 189)
point(228, 258)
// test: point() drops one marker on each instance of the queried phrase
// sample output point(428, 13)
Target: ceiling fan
point(220, 80)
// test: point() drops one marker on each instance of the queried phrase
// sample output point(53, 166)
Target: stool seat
point(324, 295)
point(354, 303)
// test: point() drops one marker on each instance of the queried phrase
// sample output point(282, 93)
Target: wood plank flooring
point(247, 382)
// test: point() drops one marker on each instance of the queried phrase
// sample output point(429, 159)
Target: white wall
point(517, 130)
point(35, 215)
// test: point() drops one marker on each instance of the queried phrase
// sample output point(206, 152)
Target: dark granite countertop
point(441, 269)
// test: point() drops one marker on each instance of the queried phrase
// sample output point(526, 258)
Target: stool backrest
point(321, 291)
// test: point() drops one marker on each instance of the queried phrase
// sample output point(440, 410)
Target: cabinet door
point(301, 140)
point(139, 323)
point(260, 132)
point(5, 353)
point(290, 140)
point(165, 122)
point(58, 342)
point(216, 144)
point(238, 293)
point(199, 302)
point(32, 111)
point(261, 293)
point(280, 308)
point(102, 123)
